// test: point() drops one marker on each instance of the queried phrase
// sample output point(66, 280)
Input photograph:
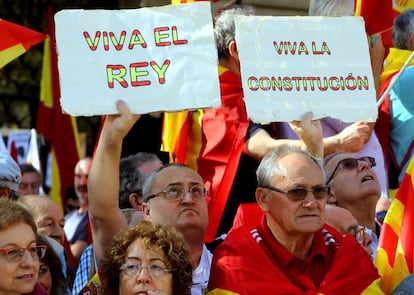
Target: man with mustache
point(76, 222)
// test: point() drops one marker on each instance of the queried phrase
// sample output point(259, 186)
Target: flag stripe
point(10, 53)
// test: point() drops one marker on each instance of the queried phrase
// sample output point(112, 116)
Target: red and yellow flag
point(16, 40)
point(59, 130)
point(395, 254)
point(181, 135)
point(378, 15)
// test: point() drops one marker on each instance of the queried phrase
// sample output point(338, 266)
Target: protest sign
point(291, 65)
point(156, 59)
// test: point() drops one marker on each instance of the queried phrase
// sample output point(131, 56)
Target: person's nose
point(187, 197)
point(310, 200)
point(84, 179)
point(362, 165)
point(57, 233)
point(28, 260)
point(144, 277)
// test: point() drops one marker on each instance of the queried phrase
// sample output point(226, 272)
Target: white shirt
point(202, 273)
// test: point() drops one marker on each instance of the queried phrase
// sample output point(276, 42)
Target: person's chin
point(310, 223)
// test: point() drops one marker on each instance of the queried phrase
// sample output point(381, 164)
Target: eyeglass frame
point(125, 266)
point(371, 161)
point(22, 250)
point(308, 190)
point(185, 190)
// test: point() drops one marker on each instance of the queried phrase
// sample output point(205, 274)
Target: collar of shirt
point(314, 267)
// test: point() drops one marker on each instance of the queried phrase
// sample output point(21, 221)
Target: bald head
point(340, 219)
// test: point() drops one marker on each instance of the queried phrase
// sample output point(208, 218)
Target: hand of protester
point(353, 137)
point(310, 132)
point(118, 125)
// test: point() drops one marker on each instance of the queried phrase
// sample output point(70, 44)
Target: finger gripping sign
point(156, 59)
point(301, 64)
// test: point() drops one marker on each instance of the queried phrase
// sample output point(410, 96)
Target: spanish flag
point(58, 129)
point(395, 254)
point(16, 40)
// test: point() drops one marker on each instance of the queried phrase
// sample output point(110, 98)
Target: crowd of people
point(134, 224)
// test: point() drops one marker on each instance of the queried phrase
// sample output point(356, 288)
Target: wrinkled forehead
point(177, 175)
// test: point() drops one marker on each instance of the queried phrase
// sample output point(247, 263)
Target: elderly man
point(77, 222)
point(290, 252)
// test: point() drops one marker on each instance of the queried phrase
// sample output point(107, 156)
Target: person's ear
point(332, 198)
point(146, 208)
point(233, 50)
point(136, 201)
point(5, 192)
point(262, 198)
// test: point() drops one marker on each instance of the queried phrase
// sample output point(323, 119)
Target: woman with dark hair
point(147, 258)
point(51, 276)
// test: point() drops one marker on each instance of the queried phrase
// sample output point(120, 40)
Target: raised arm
point(103, 183)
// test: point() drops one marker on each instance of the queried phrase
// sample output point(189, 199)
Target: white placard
point(291, 65)
point(156, 59)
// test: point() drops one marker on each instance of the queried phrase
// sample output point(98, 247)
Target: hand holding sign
point(156, 59)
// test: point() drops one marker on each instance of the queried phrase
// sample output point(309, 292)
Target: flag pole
point(394, 80)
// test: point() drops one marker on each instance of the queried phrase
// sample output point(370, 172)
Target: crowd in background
point(291, 208)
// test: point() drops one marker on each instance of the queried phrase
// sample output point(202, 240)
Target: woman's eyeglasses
point(16, 254)
point(135, 269)
point(351, 164)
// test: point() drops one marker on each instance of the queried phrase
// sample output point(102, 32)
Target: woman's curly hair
point(167, 238)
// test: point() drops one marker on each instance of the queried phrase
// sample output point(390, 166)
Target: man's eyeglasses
point(16, 254)
point(299, 194)
point(351, 164)
point(135, 269)
point(176, 192)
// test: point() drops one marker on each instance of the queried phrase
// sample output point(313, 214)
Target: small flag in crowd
point(16, 40)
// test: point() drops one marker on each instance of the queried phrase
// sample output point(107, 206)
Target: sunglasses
point(320, 192)
point(351, 164)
